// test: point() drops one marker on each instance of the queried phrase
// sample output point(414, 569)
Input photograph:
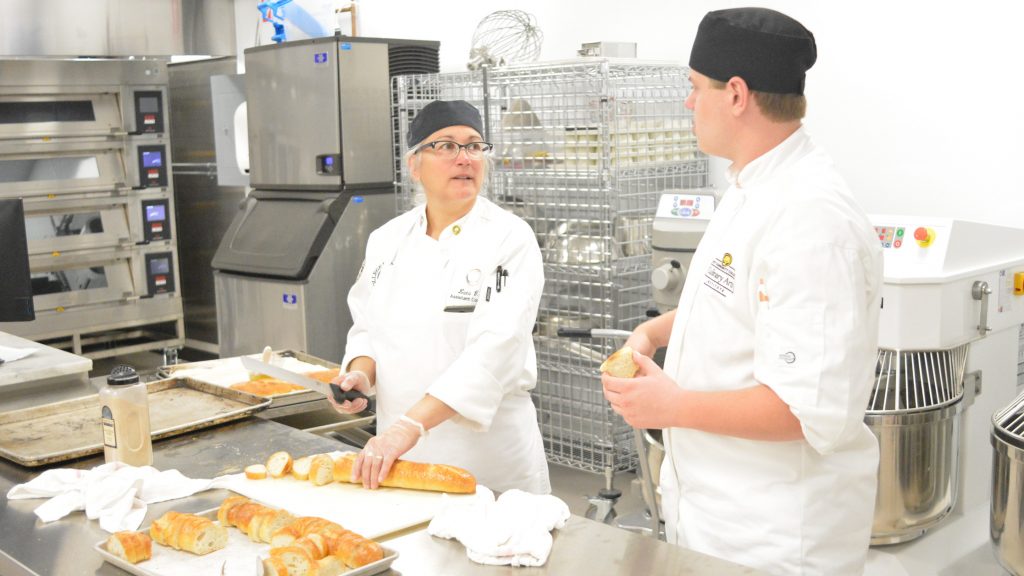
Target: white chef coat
point(430, 314)
point(783, 290)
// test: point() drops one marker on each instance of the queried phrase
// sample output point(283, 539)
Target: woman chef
point(443, 312)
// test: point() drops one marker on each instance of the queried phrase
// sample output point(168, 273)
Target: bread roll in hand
point(620, 364)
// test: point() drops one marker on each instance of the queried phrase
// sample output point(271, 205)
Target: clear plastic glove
point(374, 463)
point(357, 380)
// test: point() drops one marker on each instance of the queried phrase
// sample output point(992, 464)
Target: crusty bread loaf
point(321, 469)
point(325, 376)
point(329, 538)
point(415, 476)
point(279, 464)
point(257, 521)
point(620, 364)
point(132, 546)
point(300, 468)
point(256, 472)
point(353, 549)
point(267, 387)
point(188, 532)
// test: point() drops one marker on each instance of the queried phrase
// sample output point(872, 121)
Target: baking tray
point(170, 562)
point(279, 400)
point(70, 429)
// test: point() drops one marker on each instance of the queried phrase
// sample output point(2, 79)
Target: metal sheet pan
point(64, 430)
point(170, 562)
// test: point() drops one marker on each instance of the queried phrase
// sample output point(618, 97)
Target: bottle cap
point(122, 375)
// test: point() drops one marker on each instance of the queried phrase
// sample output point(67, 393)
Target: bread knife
point(254, 365)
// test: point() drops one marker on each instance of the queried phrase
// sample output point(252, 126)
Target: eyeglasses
point(450, 150)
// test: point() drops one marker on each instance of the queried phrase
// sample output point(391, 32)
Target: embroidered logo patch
point(376, 274)
point(721, 276)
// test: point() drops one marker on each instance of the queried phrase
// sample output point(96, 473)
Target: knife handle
point(340, 395)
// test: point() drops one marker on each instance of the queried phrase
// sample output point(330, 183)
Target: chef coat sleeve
point(358, 341)
point(499, 356)
point(816, 329)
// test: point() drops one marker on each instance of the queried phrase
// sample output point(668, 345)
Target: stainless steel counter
point(64, 547)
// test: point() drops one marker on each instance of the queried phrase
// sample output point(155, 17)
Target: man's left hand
point(649, 400)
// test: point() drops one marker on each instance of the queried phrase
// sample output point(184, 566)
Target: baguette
point(189, 532)
point(321, 469)
point(330, 539)
point(132, 546)
point(226, 506)
point(620, 364)
point(279, 464)
point(415, 476)
point(353, 549)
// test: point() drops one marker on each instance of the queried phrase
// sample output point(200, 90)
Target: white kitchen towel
point(116, 494)
point(514, 530)
point(8, 354)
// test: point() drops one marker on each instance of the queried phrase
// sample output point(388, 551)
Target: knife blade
point(334, 390)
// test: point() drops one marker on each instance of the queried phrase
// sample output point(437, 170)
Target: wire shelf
point(583, 151)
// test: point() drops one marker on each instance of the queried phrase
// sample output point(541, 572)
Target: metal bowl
point(1006, 523)
point(917, 471)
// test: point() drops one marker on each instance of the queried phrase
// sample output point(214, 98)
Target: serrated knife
point(254, 365)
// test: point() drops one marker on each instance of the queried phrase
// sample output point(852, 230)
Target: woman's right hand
point(353, 380)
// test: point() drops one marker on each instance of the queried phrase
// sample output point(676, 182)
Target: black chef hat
point(768, 49)
point(442, 114)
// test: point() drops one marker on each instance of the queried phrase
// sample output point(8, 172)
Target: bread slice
point(620, 364)
point(279, 464)
point(321, 470)
point(134, 547)
point(189, 532)
point(297, 560)
point(300, 468)
point(256, 472)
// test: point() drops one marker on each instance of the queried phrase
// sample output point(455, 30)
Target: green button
point(899, 232)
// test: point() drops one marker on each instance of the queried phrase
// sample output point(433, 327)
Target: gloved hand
point(374, 463)
point(358, 380)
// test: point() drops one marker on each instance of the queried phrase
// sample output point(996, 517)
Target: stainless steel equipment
point(584, 149)
point(321, 166)
point(84, 143)
point(70, 28)
point(679, 224)
point(915, 410)
point(203, 201)
point(948, 342)
point(1007, 517)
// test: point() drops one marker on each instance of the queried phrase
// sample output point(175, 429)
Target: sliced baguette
point(256, 472)
point(300, 468)
point(321, 470)
point(134, 547)
point(279, 464)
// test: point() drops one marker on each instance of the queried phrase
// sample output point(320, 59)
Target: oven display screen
point(156, 213)
point(160, 266)
point(152, 159)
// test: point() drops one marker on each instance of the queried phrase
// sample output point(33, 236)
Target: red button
point(921, 234)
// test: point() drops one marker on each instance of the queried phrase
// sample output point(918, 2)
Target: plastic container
point(125, 419)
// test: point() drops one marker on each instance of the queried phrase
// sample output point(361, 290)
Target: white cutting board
point(369, 513)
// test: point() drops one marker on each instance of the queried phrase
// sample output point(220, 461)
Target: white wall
point(917, 101)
